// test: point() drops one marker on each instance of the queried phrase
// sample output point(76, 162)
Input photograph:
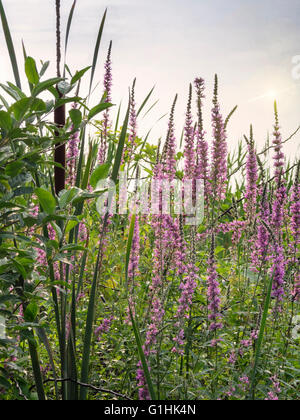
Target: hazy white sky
point(249, 43)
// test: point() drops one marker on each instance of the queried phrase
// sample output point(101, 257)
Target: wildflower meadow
point(136, 267)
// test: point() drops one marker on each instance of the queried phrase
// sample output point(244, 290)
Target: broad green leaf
point(79, 74)
point(4, 383)
point(71, 225)
point(98, 108)
point(31, 312)
point(64, 87)
point(67, 196)
point(11, 92)
point(63, 101)
point(31, 71)
point(47, 84)
point(5, 121)
point(20, 108)
point(12, 169)
point(17, 90)
point(46, 200)
point(76, 117)
point(101, 172)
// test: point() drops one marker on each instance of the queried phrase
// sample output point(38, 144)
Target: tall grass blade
point(36, 367)
point(118, 118)
point(10, 46)
point(70, 18)
point(96, 51)
point(43, 337)
point(145, 101)
point(260, 337)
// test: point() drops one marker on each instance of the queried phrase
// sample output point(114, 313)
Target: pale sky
point(249, 43)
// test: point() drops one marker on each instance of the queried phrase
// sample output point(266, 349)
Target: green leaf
point(46, 200)
point(98, 108)
point(63, 101)
point(79, 74)
point(13, 169)
point(31, 312)
point(12, 92)
point(17, 90)
point(64, 87)
point(42, 86)
point(101, 172)
point(67, 196)
point(44, 68)
point(8, 298)
point(31, 71)
point(20, 108)
point(76, 117)
point(4, 383)
point(71, 225)
point(38, 105)
point(5, 121)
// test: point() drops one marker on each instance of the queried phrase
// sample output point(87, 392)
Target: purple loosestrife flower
point(188, 274)
point(201, 144)
point(252, 177)
point(232, 358)
point(83, 232)
point(276, 391)
point(218, 173)
point(244, 383)
point(236, 227)
point(157, 315)
point(187, 287)
point(142, 384)
point(72, 155)
point(170, 164)
point(132, 124)
point(104, 327)
point(278, 272)
point(295, 209)
point(278, 213)
point(189, 134)
point(278, 208)
point(277, 144)
point(263, 236)
point(133, 268)
point(213, 292)
point(108, 99)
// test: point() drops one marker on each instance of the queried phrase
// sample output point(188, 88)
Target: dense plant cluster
point(102, 305)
